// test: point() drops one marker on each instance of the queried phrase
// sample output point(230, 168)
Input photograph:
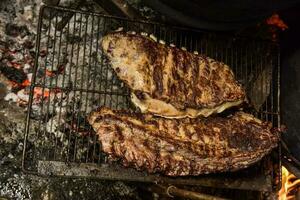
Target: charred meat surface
point(180, 147)
point(168, 81)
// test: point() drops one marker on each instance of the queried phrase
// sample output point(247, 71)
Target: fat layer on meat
point(171, 82)
point(180, 147)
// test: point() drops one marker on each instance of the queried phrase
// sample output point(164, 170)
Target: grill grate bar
point(48, 116)
point(82, 84)
point(59, 63)
point(87, 85)
point(68, 94)
point(93, 86)
point(61, 111)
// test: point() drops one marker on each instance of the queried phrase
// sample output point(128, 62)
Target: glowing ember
point(276, 21)
point(39, 94)
point(50, 73)
point(275, 24)
point(44, 92)
point(25, 83)
point(59, 70)
point(14, 64)
point(290, 185)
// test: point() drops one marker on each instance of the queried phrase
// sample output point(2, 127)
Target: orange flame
point(290, 185)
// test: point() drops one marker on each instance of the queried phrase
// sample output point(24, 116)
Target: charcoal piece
point(28, 45)
point(3, 90)
point(13, 74)
point(15, 30)
point(73, 39)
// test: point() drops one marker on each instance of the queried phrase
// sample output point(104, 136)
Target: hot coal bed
point(53, 74)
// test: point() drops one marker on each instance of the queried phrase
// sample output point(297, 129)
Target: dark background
point(290, 79)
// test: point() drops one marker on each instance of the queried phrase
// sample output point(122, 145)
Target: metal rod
point(27, 126)
point(255, 182)
point(173, 191)
point(60, 115)
point(68, 95)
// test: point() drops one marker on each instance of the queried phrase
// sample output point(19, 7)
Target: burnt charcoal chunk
point(15, 30)
point(13, 74)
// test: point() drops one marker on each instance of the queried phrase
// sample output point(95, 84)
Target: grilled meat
point(168, 81)
point(179, 147)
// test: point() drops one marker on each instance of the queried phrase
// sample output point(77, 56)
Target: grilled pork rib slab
point(180, 147)
point(168, 81)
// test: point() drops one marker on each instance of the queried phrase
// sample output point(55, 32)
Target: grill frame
point(274, 115)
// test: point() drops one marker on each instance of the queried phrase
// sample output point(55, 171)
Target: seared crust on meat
point(181, 147)
point(168, 81)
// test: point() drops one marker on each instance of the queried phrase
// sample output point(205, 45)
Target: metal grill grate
point(71, 77)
